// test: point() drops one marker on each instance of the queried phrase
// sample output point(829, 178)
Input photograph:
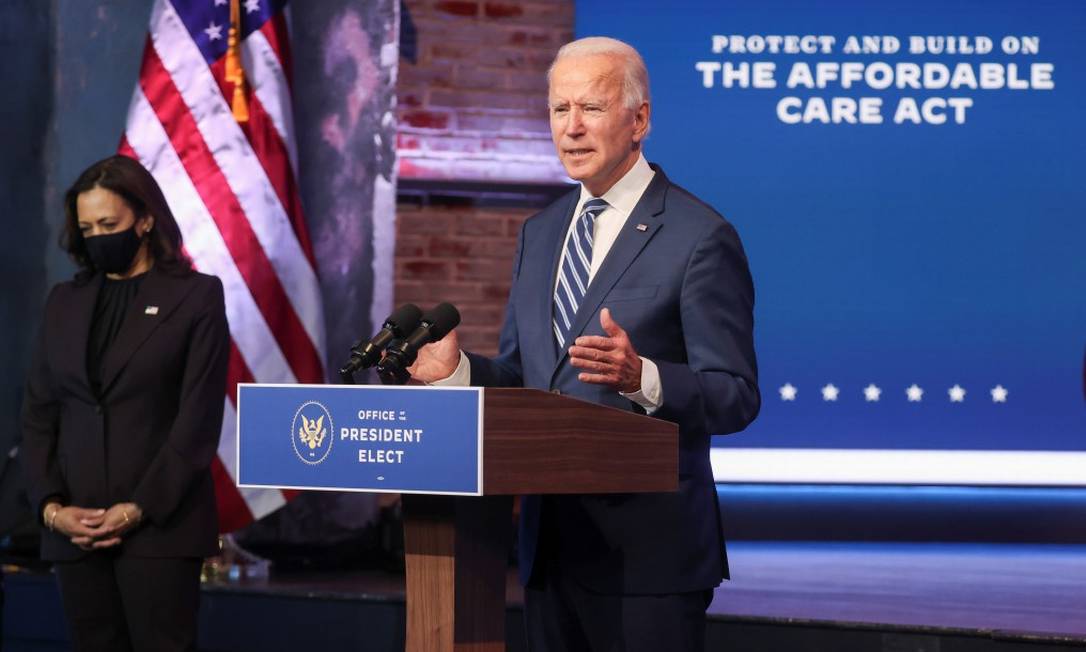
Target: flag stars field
point(914, 393)
point(999, 394)
point(957, 393)
point(829, 392)
point(872, 393)
point(788, 392)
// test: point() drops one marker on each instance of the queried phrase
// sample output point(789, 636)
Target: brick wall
point(472, 108)
point(462, 255)
point(473, 105)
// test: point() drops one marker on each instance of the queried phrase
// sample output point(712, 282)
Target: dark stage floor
point(1007, 590)
point(937, 596)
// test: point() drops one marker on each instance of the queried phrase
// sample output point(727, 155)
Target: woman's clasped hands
point(93, 529)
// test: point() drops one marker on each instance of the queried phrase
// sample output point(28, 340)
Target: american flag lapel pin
point(150, 310)
point(642, 227)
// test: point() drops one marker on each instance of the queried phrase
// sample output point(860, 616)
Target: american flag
point(211, 119)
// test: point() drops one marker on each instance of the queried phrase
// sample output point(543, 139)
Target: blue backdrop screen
point(912, 201)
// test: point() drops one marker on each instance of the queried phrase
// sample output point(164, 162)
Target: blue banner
point(360, 438)
point(908, 180)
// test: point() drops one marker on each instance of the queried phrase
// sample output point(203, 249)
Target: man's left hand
point(610, 360)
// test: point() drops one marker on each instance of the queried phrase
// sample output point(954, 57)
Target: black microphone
point(402, 321)
point(436, 324)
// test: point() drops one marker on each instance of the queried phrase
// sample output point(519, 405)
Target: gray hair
point(635, 77)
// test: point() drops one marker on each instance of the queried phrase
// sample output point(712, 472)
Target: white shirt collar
point(627, 191)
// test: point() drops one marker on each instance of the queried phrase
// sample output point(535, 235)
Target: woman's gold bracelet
point(51, 520)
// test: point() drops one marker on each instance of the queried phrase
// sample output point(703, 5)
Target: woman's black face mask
point(112, 253)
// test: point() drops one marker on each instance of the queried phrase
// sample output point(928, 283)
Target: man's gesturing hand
point(610, 360)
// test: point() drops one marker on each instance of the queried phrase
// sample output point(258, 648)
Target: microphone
point(402, 321)
point(435, 324)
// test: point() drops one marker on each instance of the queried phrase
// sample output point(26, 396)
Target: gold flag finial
point(235, 74)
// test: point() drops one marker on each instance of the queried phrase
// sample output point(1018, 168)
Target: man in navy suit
point(632, 293)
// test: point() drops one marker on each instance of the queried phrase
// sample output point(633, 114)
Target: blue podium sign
point(361, 438)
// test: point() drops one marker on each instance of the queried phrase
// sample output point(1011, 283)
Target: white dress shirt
point(621, 199)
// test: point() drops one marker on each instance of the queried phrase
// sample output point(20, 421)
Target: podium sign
point(361, 438)
point(430, 440)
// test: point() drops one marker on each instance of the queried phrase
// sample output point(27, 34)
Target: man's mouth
point(577, 153)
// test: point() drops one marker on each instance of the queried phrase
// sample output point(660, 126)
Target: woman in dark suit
point(122, 414)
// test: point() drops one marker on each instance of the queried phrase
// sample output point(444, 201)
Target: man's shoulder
point(559, 209)
point(693, 207)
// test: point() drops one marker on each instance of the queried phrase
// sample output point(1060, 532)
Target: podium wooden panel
point(534, 442)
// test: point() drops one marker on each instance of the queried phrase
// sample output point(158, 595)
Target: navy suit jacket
point(152, 435)
point(677, 280)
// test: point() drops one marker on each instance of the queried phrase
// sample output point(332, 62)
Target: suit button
point(97, 409)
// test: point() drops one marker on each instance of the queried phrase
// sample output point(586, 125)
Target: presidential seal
point(311, 432)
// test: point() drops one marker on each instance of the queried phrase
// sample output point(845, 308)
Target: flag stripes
point(233, 188)
point(205, 243)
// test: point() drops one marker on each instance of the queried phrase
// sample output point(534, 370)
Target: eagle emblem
point(312, 431)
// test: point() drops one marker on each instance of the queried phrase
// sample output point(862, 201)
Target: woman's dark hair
point(135, 185)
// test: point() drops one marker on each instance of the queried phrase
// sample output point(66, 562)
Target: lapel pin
point(642, 227)
point(150, 310)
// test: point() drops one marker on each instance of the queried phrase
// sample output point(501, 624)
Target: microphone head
point(404, 319)
point(442, 318)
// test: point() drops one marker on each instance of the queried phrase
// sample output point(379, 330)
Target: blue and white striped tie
point(573, 274)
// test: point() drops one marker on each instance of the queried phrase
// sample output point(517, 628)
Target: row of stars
point(914, 393)
point(214, 32)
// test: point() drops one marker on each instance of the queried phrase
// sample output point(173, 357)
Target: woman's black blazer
point(154, 433)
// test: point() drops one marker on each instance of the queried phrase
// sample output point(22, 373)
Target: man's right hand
point(438, 360)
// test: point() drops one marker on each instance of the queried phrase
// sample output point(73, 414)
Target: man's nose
point(575, 123)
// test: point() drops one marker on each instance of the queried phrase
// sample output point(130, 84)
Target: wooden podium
point(534, 442)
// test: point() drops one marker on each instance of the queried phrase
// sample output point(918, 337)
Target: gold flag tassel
point(235, 74)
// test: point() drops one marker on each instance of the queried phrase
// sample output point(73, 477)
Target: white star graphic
point(872, 393)
point(999, 394)
point(214, 32)
point(788, 392)
point(957, 393)
point(220, 3)
point(251, 6)
point(829, 392)
point(914, 393)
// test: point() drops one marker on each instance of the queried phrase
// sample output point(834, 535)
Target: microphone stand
point(392, 374)
point(390, 369)
point(389, 375)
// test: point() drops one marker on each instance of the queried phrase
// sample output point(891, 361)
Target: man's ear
point(641, 122)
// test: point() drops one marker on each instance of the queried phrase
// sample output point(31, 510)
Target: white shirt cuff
point(651, 394)
point(461, 377)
